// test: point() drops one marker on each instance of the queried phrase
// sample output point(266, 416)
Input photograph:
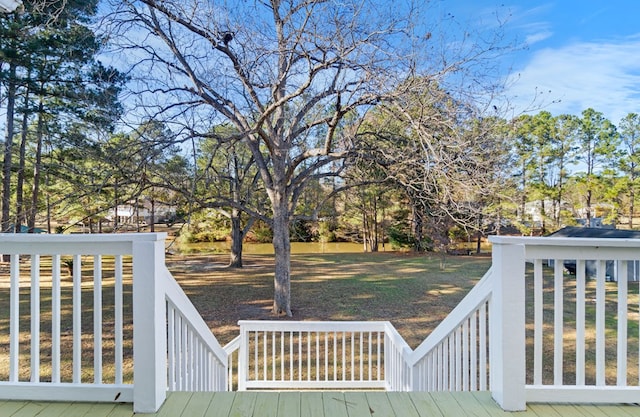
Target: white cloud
point(569, 79)
point(537, 37)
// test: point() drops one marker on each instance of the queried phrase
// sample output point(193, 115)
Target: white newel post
point(149, 325)
point(243, 358)
point(507, 326)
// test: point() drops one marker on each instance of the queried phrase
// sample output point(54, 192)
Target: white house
point(142, 211)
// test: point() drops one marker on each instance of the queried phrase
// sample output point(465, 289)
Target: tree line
point(287, 120)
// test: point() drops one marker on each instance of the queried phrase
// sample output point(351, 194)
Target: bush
point(185, 236)
point(399, 237)
point(301, 231)
point(210, 234)
point(261, 233)
point(327, 232)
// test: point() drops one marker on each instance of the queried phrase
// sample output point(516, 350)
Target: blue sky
point(578, 54)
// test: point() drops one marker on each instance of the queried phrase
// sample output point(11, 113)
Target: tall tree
point(599, 143)
point(284, 74)
point(227, 179)
point(524, 148)
point(546, 146)
point(563, 156)
point(541, 130)
point(52, 65)
point(630, 162)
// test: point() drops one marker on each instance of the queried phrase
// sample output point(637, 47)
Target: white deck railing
point(196, 361)
point(561, 337)
point(111, 292)
point(321, 355)
point(540, 333)
point(454, 357)
point(581, 340)
point(117, 327)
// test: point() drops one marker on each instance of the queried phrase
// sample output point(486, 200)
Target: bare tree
point(450, 162)
point(285, 73)
point(227, 180)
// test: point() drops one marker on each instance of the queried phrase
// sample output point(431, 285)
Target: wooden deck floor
point(316, 404)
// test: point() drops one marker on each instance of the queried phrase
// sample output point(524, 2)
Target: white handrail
point(308, 354)
point(454, 356)
point(479, 294)
point(484, 338)
point(156, 297)
point(232, 350)
point(584, 326)
point(397, 367)
point(38, 270)
point(196, 360)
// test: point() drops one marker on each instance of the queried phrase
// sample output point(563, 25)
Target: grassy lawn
point(407, 289)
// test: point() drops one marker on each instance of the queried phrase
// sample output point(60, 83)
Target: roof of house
point(596, 232)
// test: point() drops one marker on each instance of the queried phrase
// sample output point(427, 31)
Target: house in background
point(633, 269)
point(143, 211)
point(537, 213)
point(7, 6)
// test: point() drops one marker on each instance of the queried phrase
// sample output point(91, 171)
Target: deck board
point(244, 405)
point(311, 405)
point(30, 409)
point(571, 411)
point(266, 404)
point(425, 405)
point(120, 410)
point(379, 404)
point(198, 404)
point(489, 406)
point(620, 410)
point(289, 404)
point(472, 406)
point(79, 410)
point(334, 404)
point(220, 405)
point(446, 401)
point(175, 407)
point(10, 408)
point(317, 404)
point(402, 404)
point(357, 404)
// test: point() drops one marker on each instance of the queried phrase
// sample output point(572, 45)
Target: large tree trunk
point(375, 241)
point(632, 196)
point(282, 250)
point(479, 234)
point(523, 197)
point(417, 228)
point(589, 193)
point(543, 218)
point(115, 206)
point(35, 191)
point(20, 209)
point(8, 149)
point(152, 216)
point(235, 260)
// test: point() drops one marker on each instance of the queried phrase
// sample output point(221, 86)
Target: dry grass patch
point(407, 289)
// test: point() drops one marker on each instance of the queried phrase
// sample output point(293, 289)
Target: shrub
point(399, 237)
